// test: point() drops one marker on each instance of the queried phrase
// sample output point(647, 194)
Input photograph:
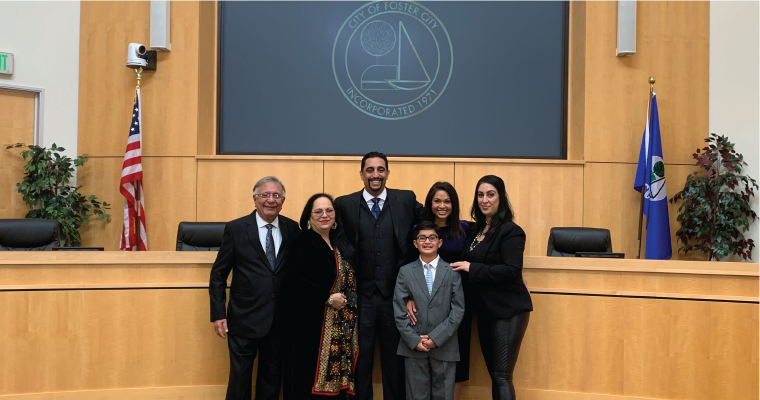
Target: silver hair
point(268, 179)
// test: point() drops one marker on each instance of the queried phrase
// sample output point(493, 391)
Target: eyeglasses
point(318, 212)
point(266, 196)
point(431, 238)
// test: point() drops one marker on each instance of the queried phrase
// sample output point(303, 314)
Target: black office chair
point(565, 242)
point(200, 236)
point(28, 234)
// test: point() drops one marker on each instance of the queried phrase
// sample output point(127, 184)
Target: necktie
point(271, 256)
point(429, 277)
point(376, 207)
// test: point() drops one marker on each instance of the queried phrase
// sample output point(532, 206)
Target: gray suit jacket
point(438, 314)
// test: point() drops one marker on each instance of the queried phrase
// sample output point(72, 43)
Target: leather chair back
point(565, 242)
point(200, 236)
point(28, 234)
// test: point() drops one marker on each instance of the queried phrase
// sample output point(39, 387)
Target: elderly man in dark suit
point(379, 221)
point(255, 247)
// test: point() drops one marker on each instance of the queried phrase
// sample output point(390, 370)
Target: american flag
point(131, 181)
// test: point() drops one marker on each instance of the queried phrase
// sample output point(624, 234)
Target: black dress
point(451, 251)
point(324, 341)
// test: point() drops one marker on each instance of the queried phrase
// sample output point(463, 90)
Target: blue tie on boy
point(430, 348)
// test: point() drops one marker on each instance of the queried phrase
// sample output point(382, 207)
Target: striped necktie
point(429, 277)
point(375, 207)
point(271, 255)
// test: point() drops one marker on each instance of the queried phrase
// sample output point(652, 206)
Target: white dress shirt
point(368, 198)
point(275, 233)
point(433, 265)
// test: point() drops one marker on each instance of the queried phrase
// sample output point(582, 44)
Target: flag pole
point(643, 189)
point(137, 185)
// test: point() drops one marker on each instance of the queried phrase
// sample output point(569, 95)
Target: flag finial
point(138, 71)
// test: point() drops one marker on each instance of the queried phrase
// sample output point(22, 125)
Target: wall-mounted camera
point(140, 57)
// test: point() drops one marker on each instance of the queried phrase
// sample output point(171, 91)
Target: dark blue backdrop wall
point(473, 79)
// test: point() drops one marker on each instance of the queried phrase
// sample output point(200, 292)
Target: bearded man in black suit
point(255, 248)
point(379, 221)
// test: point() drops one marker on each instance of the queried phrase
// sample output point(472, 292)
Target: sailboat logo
point(392, 60)
point(389, 77)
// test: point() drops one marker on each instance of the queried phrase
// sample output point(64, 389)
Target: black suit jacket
point(255, 288)
point(405, 210)
point(496, 272)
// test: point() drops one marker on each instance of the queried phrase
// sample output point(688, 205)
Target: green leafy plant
point(46, 190)
point(715, 211)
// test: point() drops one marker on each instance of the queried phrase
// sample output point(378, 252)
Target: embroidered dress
point(340, 341)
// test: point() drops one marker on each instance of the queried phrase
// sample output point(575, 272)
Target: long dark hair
point(503, 215)
point(452, 221)
point(337, 238)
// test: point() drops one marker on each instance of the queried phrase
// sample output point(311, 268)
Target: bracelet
point(330, 300)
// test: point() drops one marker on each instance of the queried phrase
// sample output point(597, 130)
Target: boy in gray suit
point(430, 347)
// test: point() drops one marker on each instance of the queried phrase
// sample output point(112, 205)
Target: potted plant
point(715, 211)
point(46, 190)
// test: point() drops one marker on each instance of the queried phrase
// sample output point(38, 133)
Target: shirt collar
point(261, 223)
point(433, 263)
point(368, 197)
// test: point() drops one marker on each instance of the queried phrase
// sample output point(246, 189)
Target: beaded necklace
point(481, 236)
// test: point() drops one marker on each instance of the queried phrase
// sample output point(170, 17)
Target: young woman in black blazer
point(493, 259)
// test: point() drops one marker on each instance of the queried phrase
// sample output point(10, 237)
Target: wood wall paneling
point(16, 126)
point(212, 392)
point(170, 196)
point(107, 87)
point(610, 202)
point(576, 347)
point(618, 346)
point(79, 340)
point(672, 44)
point(100, 176)
point(342, 177)
point(200, 392)
point(576, 86)
point(542, 196)
point(207, 78)
point(642, 282)
point(670, 349)
point(225, 188)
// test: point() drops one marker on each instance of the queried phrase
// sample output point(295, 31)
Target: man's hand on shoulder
point(220, 327)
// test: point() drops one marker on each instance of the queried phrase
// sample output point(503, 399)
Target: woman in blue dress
point(442, 208)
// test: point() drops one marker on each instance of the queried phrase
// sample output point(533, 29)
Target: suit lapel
point(358, 200)
point(253, 235)
point(285, 233)
point(490, 242)
point(419, 274)
point(391, 201)
point(440, 274)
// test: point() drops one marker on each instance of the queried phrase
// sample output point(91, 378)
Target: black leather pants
point(500, 341)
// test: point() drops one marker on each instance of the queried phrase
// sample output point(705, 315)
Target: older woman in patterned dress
point(322, 308)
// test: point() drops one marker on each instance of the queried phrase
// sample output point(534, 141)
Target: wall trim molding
point(205, 392)
point(645, 295)
point(539, 394)
point(213, 392)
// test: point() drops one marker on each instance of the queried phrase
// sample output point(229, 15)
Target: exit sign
point(6, 63)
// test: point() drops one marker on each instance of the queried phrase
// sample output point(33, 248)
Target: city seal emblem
point(392, 59)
